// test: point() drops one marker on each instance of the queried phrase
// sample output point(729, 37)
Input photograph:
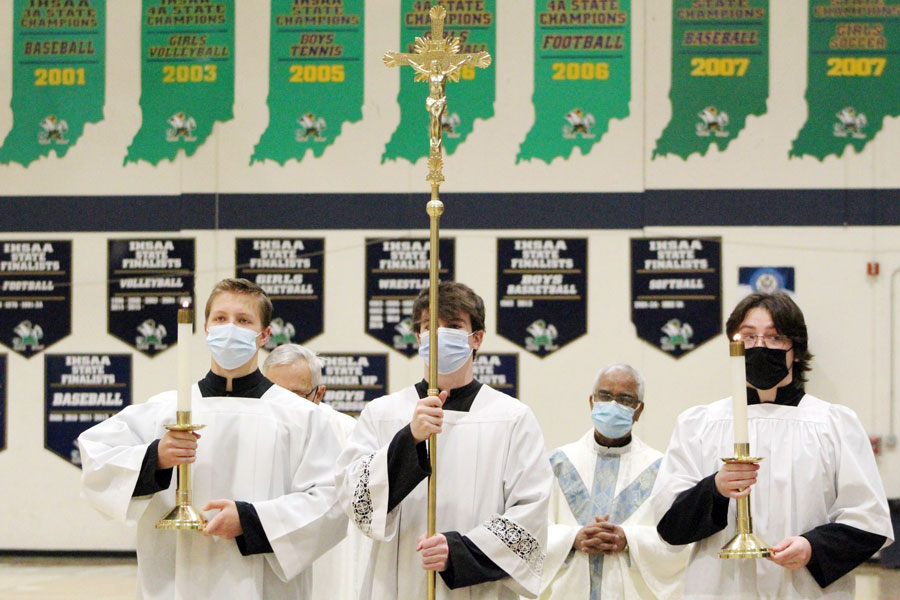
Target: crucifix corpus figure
point(436, 59)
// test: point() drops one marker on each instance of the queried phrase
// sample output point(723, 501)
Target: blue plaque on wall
point(292, 273)
point(35, 294)
point(396, 270)
point(498, 370)
point(541, 292)
point(353, 380)
point(676, 291)
point(81, 390)
point(765, 279)
point(147, 282)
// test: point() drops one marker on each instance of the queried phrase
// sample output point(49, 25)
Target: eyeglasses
point(623, 399)
point(307, 395)
point(776, 341)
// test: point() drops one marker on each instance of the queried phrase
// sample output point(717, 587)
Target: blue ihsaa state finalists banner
point(396, 270)
point(498, 370)
point(81, 390)
point(35, 294)
point(353, 380)
point(676, 291)
point(542, 292)
point(148, 280)
point(291, 271)
point(2, 402)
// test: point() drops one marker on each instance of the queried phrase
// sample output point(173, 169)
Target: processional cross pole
point(435, 59)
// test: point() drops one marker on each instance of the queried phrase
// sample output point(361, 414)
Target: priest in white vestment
point(338, 574)
point(602, 543)
point(264, 461)
point(493, 478)
point(817, 497)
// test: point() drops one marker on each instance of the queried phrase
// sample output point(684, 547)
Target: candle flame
point(736, 338)
point(186, 304)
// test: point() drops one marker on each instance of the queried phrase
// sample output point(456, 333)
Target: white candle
point(739, 391)
point(185, 330)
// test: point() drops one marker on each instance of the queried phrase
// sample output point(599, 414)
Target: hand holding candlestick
point(184, 516)
point(744, 544)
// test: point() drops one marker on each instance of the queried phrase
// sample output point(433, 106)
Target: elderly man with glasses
point(602, 541)
point(818, 497)
point(299, 370)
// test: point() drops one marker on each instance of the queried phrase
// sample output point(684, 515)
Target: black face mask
point(766, 367)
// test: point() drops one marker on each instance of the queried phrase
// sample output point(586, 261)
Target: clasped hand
point(600, 537)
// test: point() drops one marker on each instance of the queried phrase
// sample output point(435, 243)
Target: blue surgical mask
point(611, 419)
point(230, 345)
point(453, 349)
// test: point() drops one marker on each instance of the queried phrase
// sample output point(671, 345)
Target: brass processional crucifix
point(436, 59)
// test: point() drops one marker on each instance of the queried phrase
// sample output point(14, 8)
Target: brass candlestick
point(744, 544)
point(435, 59)
point(184, 516)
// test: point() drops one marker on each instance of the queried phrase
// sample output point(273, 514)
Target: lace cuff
point(362, 498)
point(519, 541)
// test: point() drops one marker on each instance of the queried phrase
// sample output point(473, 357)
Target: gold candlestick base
point(744, 544)
point(184, 517)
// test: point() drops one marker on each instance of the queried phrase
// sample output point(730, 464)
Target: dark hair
point(788, 320)
point(243, 286)
point(453, 298)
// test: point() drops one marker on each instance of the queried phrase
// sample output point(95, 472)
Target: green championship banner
point(853, 74)
point(720, 73)
point(58, 76)
point(474, 23)
point(315, 76)
point(187, 75)
point(582, 74)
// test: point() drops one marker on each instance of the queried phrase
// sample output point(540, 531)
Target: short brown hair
point(788, 320)
point(453, 298)
point(243, 286)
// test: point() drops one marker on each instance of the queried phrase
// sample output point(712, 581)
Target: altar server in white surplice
point(338, 574)
point(264, 461)
point(817, 497)
point(493, 478)
point(603, 543)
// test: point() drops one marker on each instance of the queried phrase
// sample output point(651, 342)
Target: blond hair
point(243, 286)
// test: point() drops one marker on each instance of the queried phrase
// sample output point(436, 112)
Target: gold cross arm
point(447, 63)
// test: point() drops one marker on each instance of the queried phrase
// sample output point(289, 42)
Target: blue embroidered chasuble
point(601, 500)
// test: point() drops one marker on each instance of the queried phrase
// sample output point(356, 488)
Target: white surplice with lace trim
point(493, 486)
